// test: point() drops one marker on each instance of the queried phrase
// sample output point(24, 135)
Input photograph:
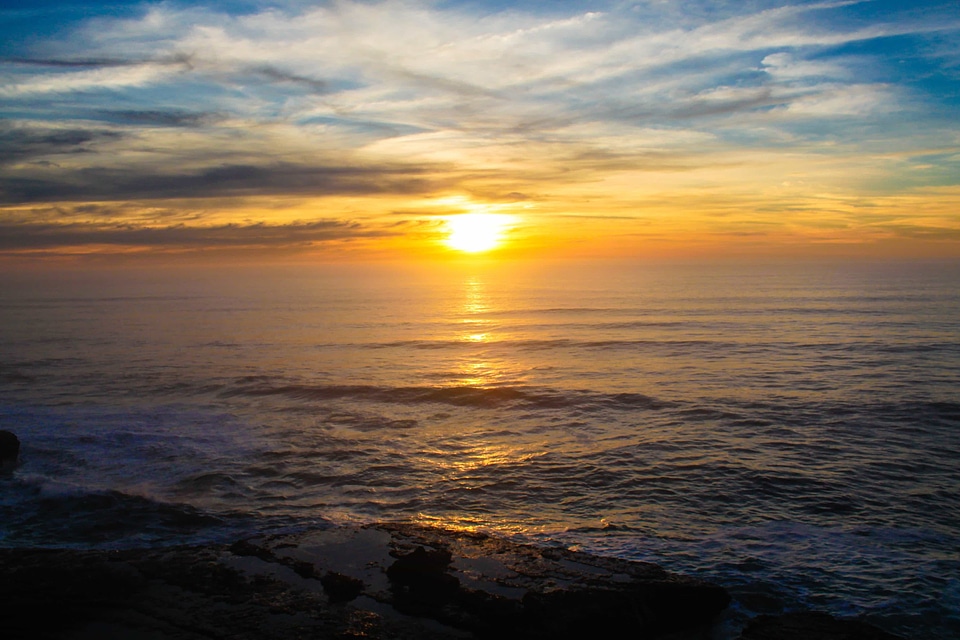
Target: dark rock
point(381, 582)
point(811, 625)
point(341, 588)
point(420, 582)
point(247, 548)
point(649, 610)
point(9, 449)
point(498, 589)
point(423, 570)
point(170, 594)
point(305, 570)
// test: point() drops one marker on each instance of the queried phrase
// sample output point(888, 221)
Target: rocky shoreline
point(381, 582)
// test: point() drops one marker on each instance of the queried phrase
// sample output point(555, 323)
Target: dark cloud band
point(15, 237)
point(104, 184)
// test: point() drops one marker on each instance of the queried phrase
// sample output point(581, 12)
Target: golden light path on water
point(466, 469)
point(476, 372)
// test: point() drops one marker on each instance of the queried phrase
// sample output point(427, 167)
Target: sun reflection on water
point(480, 455)
point(478, 374)
point(476, 300)
point(477, 371)
point(474, 471)
point(474, 523)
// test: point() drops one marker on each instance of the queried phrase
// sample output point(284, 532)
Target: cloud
point(396, 53)
point(282, 178)
point(99, 213)
point(922, 232)
point(19, 144)
point(413, 64)
point(158, 117)
point(275, 74)
point(85, 77)
point(70, 63)
point(786, 66)
point(18, 237)
point(845, 100)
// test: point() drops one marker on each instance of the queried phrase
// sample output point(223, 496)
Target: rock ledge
point(387, 581)
point(380, 582)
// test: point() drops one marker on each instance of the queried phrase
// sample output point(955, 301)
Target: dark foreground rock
point(379, 582)
point(809, 625)
point(9, 449)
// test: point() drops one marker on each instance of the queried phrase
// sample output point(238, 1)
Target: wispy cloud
point(83, 77)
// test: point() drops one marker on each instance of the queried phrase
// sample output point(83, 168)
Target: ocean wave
point(672, 345)
point(39, 512)
point(463, 396)
point(543, 344)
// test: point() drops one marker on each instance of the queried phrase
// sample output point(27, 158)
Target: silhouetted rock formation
point(340, 588)
point(342, 583)
point(811, 625)
point(497, 589)
point(9, 449)
point(379, 582)
point(420, 582)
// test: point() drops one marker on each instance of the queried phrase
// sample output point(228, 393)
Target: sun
point(476, 232)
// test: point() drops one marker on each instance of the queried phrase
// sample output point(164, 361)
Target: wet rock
point(170, 594)
point(492, 588)
point(811, 625)
point(9, 449)
point(422, 571)
point(646, 609)
point(246, 548)
point(341, 588)
point(420, 583)
point(381, 582)
point(419, 563)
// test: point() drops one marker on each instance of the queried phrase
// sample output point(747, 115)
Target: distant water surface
point(792, 431)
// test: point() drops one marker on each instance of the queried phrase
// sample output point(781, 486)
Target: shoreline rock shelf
point(382, 582)
point(490, 587)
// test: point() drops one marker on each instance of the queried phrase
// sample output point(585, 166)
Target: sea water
point(791, 431)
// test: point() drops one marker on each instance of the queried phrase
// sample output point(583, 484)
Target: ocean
point(791, 431)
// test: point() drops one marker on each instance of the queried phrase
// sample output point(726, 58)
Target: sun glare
point(475, 232)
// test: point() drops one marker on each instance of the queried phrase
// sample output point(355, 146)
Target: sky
point(356, 130)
